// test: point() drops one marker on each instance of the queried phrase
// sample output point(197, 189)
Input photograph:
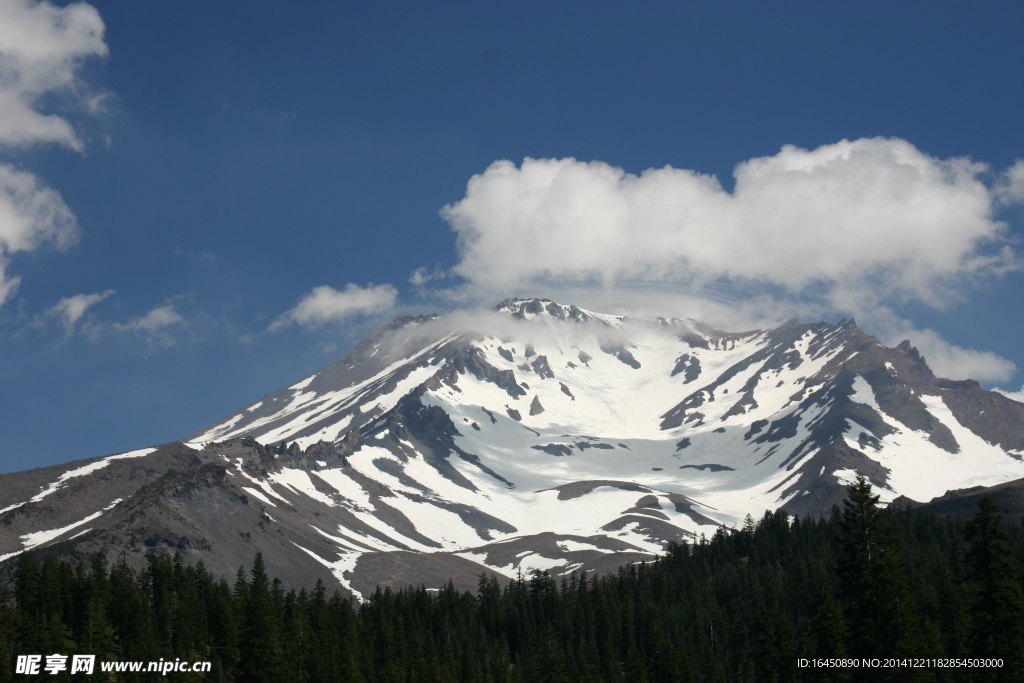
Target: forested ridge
point(744, 605)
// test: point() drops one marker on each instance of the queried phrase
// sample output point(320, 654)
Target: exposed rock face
point(689, 366)
point(535, 407)
point(175, 499)
point(541, 367)
point(570, 440)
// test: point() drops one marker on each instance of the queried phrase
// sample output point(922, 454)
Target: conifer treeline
point(741, 606)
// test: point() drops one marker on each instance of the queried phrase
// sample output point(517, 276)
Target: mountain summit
point(535, 436)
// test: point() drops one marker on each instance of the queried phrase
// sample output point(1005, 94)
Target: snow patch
point(84, 470)
point(299, 481)
point(846, 477)
point(345, 564)
point(38, 538)
point(256, 493)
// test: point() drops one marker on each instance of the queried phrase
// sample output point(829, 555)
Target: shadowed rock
point(535, 407)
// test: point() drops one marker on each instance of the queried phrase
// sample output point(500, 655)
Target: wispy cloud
point(155, 326)
point(70, 310)
point(155, 330)
point(325, 305)
point(201, 256)
point(1010, 186)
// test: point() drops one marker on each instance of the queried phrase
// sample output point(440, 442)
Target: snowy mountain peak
point(547, 436)
point(532, 309)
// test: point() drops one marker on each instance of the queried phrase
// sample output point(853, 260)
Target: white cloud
point(324, 305)
point(71, 309)
point(30, 214)
point(869, 217)
point(42, 47)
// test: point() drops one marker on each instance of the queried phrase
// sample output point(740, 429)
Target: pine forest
point(748, 604)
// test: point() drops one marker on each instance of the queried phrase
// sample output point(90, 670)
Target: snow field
point(611, 397)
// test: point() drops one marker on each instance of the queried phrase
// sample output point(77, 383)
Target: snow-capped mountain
point(536, 436)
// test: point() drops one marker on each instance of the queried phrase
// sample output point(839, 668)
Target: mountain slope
point(537, 436)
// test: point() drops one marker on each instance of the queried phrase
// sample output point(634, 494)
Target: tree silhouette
point(998, 608)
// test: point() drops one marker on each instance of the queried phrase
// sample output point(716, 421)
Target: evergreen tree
point(8, 635)
point(998, 608)
point(872, 583)
point(26, 586)
point(663, 660)
point(54, 602)
point(95, 633)
point(259, 645)
point(829, 632)
point(130, 613)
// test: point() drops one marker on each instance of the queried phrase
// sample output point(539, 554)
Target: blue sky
point(206, 201)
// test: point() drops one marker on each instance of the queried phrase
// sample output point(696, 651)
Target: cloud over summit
point(859, 227)
point(871, 215)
